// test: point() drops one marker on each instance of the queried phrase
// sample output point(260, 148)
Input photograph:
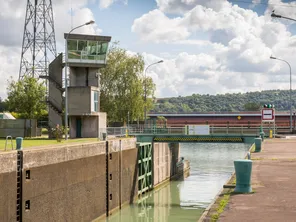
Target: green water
point(211, 166)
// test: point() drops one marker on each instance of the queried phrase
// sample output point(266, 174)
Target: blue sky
point(208, 46)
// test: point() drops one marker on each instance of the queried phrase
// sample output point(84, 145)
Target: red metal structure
point(222, 119)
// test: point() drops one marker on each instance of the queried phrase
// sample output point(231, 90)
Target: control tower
point(86, 55)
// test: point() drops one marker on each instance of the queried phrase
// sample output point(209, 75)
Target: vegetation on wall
point(250, 101)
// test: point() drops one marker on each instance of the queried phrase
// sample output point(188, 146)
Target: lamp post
point(280, 16)
point(66, 77)
point(272, 57)
point(145, 106)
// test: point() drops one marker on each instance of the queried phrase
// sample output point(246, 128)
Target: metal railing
point(238, 130)
point(214, 130)
point(121, 131)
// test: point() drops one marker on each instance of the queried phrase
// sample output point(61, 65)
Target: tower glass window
point(87, 51)
point(95, 101)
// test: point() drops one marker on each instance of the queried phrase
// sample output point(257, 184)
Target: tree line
point(250, 101)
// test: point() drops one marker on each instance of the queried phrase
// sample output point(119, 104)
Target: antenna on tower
point(39, 43)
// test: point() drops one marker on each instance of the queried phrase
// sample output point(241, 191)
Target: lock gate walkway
point(240, 134)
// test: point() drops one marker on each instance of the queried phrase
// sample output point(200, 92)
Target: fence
point(18, 128)
point(214, 130)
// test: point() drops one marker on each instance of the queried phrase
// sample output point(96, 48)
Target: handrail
point(132, 130)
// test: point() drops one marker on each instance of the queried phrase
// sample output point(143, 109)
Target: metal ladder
point(19, 186)
point(11, 144)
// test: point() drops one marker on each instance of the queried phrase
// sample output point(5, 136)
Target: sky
point(208, 46)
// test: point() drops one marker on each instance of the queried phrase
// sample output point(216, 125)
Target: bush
point(58, 132)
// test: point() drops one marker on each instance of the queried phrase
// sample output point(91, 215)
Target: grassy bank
point(33, 142)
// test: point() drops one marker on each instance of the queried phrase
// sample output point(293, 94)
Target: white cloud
point(159, 28)
point(8, 68)
point(185, 75)
point(107, 3)
point(239, 43)
point(180, 7)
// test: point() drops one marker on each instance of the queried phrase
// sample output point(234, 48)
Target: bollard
point(258, 142)
point(262, 136)
point(19, 143)
point(243, 171)
point(270, 134)
point(104, 135)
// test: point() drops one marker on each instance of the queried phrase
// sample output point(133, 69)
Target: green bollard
point(258, 142)
point(19, 143)
point(262, 136)
point(243, 171)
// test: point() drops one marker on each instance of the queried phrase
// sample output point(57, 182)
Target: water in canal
point(211, 166)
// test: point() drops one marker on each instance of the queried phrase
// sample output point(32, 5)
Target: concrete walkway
point(274, 185)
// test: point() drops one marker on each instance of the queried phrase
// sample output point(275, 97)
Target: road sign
point(267, 115)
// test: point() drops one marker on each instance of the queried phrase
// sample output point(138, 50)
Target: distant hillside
point(226, 103)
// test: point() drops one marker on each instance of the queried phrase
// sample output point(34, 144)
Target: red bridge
point(282, 119)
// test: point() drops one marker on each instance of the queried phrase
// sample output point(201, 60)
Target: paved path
point(274, 183)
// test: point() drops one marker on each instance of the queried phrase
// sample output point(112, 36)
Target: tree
point(26, 97)
point(252, 106)
point(3, 105)
point(162, 120)
point(122, 86)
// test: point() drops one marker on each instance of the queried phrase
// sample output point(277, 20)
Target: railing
point(136, 130)
point(121, 131)
point(239, 130)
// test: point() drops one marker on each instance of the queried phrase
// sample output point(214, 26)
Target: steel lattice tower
point(39, 43)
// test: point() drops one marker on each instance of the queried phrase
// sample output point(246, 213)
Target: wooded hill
point(250, 101)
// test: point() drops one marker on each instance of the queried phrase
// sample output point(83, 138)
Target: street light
point(145, 107)
point(272, 57)
point(66, 77)
point(280, 16)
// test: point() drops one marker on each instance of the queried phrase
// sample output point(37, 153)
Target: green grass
point(259, 158)
point(222, 204)
point(44, 131)
point(234, 181)
point(252, 149)
point(28, 142)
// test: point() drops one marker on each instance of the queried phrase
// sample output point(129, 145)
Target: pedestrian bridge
point(239, 134)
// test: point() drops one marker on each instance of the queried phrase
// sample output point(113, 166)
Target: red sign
point(267, 115)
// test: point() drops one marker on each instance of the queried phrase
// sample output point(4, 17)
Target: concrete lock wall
point(8, 186)
point(77, 182)
point(68, 183)
point(123, 173)
point(165, 158)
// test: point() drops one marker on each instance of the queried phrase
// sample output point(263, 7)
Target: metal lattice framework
point(39, 43)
